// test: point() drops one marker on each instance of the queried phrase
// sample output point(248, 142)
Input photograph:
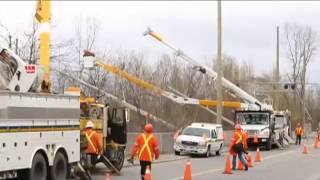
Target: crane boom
point(158, 91)
point(253, 102)
point(43, 16)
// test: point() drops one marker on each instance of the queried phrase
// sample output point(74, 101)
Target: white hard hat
point(89, 124)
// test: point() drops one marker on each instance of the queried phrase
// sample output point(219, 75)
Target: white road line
point(221, 169)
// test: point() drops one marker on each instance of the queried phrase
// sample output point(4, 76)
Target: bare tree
point(301, 45)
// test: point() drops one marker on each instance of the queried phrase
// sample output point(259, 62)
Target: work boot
point(246, 168)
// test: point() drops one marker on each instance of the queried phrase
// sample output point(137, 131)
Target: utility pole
point(277, 78)
point(219, 66)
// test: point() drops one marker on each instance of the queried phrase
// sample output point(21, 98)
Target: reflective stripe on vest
point(146, 146)
point(90, 142)
point(239, 137)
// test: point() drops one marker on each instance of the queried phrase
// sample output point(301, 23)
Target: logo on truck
point(30, 69)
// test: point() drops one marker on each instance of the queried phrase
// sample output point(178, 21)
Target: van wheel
point(177, 153)
point(38, 169)
point(59, 170)
point(208, 153)
point(218, 153)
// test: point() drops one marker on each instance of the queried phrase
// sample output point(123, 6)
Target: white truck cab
point(200, 139)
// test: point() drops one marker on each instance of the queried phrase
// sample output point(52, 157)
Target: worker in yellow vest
point(299, 133)
point(146, 147)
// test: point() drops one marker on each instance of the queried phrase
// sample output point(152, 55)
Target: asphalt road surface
point(289, 164)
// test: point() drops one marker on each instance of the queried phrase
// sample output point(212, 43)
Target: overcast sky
point(249, 28)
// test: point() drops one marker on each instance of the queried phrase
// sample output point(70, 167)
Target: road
point(289, 164)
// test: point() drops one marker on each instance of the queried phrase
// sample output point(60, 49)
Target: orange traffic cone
point(227, 169)
point(249, 159)
point(108, 177)
point(258, 156)
point(147, 176)
point(240, 165)
point(187, 172)
point(315, 145)
point(255, 138)
point(305, 149)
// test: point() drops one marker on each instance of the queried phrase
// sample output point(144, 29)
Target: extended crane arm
point(227, 84)
point(150, 87)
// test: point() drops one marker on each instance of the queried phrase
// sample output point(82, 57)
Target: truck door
point(118, 125)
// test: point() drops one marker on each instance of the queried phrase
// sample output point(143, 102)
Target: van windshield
point(191, 131)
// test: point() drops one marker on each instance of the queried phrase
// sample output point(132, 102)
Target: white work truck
point(200, 139)
point(39, 132)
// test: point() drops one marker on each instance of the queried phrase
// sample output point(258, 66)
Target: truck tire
point(39, 169)
point(59, 169)
point(268, 145)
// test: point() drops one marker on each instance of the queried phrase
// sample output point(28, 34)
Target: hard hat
point(148, 128)
point(89, 124)
point(237, 127)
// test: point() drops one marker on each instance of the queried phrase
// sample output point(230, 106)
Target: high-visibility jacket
point(238, 137)
point(299, 131)
point(94, 146)
point(146, 147)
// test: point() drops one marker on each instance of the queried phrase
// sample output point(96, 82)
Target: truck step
point(108, 164)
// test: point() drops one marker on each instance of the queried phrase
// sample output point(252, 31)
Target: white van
point(201, 139)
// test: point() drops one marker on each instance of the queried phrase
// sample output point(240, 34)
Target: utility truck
point(259, 114)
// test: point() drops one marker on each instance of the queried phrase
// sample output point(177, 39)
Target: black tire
point(59, 169)
point(208, 153)
point(268, 145)
point(218, 153)
point(38, 169)
point(177, 153)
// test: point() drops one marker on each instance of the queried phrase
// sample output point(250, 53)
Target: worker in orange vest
point(94, 147)
point(238, 146)
point(299, 133)
point(146, 147)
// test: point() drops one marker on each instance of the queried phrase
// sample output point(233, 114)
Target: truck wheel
point(59, 169)
point(268, 145)
point(38, 169)
point(177, 153)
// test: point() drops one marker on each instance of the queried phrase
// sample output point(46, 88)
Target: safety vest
point(146, 146)
point(239, 135)
point(299, 130)
point(90, 141)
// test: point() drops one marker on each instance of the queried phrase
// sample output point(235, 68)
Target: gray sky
point(249, 28)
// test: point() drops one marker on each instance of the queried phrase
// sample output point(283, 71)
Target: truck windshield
point(191, 131)
point(253, 119)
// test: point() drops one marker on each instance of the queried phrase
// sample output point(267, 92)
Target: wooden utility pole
point(219, 66)
point(277, 78)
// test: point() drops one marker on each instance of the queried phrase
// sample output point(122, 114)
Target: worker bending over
point(146, 147)
point(299, 133)
point(238, 146)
